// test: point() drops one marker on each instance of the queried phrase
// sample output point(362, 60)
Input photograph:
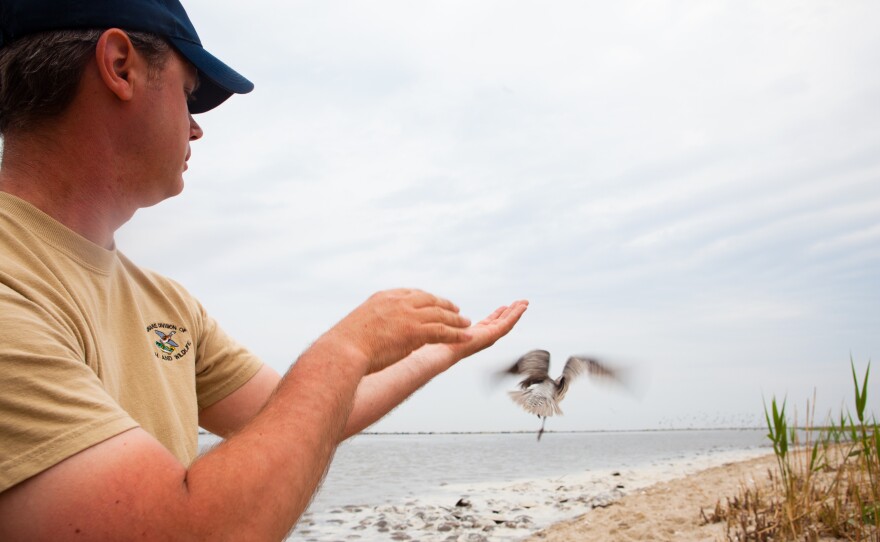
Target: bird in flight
point(540, 394)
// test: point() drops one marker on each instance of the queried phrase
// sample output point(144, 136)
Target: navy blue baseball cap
point(166, 18)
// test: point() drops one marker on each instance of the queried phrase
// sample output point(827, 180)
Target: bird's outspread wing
point(533, 366)
point(578, 365)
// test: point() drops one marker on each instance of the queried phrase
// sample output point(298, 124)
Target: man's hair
point(40, 73)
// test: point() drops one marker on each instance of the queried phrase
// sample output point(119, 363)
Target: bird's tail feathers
point(535, 404)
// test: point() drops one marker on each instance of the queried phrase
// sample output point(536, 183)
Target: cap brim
point(217, 81)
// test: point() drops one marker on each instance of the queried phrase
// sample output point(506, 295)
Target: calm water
point(376, 469)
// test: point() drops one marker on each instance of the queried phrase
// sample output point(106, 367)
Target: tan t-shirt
point(91, 346)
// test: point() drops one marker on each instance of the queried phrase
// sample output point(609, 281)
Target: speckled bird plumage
point(539, 394)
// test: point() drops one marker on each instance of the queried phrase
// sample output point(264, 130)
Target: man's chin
point(174, 190)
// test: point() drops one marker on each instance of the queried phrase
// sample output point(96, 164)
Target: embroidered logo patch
point(165, 343)
point(168, 338)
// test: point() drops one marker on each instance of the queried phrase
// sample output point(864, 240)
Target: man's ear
point(118, 63)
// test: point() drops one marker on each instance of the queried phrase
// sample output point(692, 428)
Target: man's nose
point(195, 131)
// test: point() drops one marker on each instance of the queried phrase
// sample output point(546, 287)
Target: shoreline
point(669, 510)
point(589, 505)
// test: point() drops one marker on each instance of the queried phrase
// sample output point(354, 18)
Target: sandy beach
point(654, 502)
point(666, 511)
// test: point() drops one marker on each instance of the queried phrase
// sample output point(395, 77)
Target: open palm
point(488, 330)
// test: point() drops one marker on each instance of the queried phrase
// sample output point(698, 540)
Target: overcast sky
point(688, 188)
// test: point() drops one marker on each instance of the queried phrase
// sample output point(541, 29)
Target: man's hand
point(484, 333)
point(391, 324)
point(380, 392)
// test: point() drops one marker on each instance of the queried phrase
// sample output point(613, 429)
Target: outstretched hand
point(381, 391)
point(484, 333)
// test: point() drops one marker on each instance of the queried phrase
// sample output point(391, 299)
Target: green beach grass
point(827, 485)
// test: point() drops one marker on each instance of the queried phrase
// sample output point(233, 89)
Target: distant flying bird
point(539, 394)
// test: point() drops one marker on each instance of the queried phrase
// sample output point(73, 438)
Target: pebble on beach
point(467, 519)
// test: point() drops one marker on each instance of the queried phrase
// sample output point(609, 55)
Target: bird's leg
point(541, 430)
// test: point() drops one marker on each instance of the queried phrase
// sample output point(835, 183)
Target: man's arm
point(234, 411)
point(381, 392)
point(378, 393)
point(254, 485)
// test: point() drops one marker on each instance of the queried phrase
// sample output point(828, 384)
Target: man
point(106, 370)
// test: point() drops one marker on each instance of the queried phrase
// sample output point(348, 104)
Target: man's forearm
point(283, 452)
point(379, 393)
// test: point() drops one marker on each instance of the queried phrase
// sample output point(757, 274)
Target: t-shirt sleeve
point(52, 405)
point(222, 364)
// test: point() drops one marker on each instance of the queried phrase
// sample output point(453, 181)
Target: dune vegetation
point(826, 485)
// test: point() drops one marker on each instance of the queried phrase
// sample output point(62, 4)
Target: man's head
point(45, 44)
point(40, 73)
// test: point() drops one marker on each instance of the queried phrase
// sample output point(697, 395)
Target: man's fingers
point(443, 316)
point(513, 311)
point(439, 333)
point(393, 323)
point(498, 314)
point(512, 315)
point(516, 310)
point(424, 299)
